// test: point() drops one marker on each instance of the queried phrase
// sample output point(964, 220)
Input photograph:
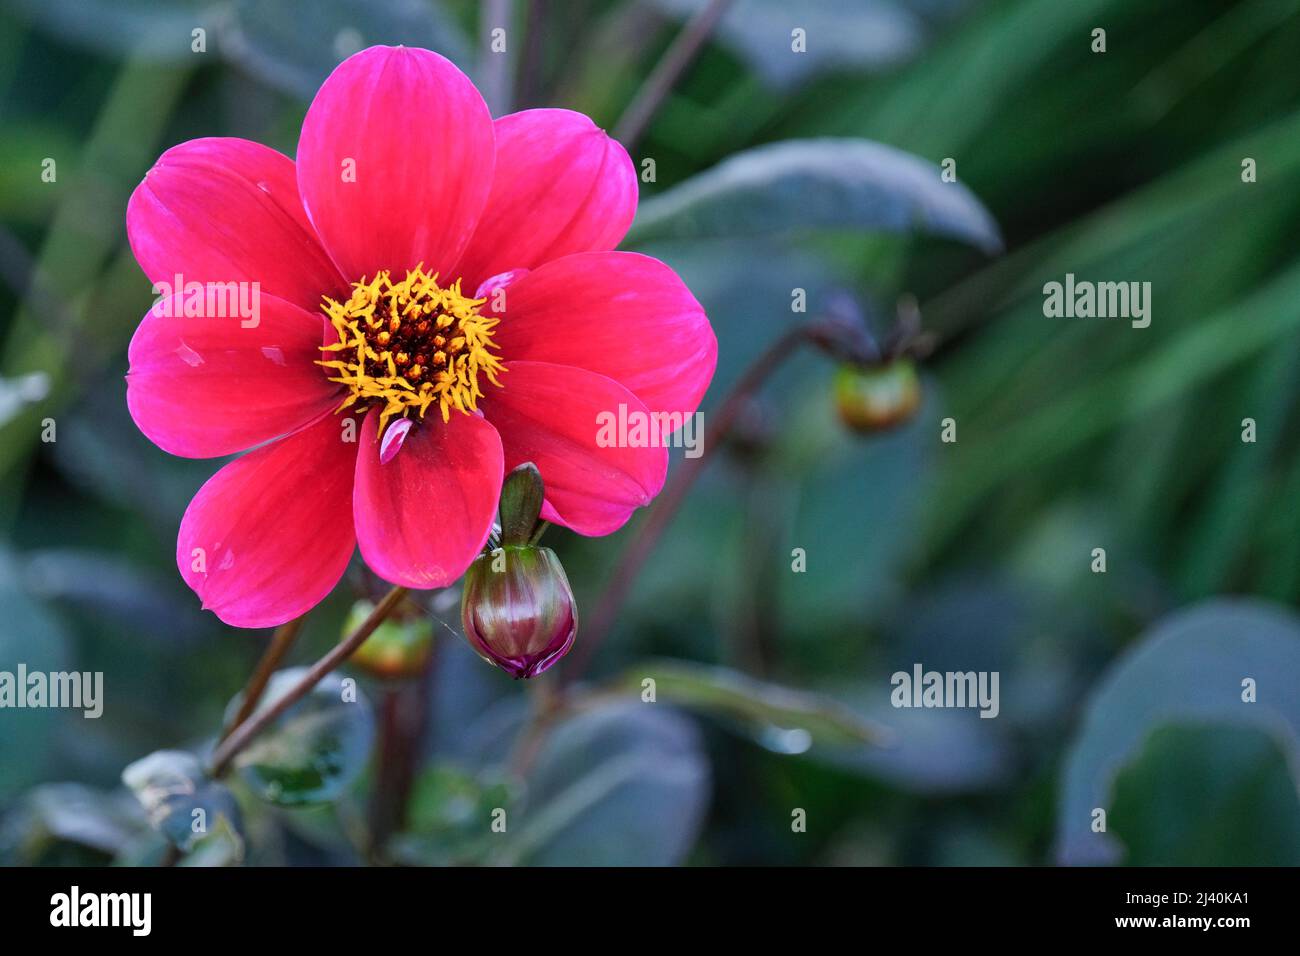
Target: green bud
point(400, 647)
point(877, 398)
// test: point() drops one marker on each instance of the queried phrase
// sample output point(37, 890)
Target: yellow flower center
point(405, 346)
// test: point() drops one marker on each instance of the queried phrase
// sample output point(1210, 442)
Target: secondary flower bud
point(400, 647)
point(518, 610)
point(877, 398)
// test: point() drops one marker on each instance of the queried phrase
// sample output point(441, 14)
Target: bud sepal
point(522, 495)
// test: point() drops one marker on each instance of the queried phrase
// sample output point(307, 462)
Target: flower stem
point(547, 707)
point(281, 641)
point(634, 556)
point(249, 729)
point(540, 530)
point(404, 715)
point(679, 55)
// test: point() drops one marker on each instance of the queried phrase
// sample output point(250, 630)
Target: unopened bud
point(518, 610)
point(876, 398)
point(400, 647)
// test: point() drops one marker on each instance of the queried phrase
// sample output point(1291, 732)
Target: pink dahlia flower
point(436, 302)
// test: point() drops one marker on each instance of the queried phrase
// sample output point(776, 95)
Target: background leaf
point(124, 27)
point(616, 786)
point(294, 44)
point(316, 749)
point(1207, 795)
point(783, 719)
point(185, 806)
point(791, 187)
point(841, 34)
point(69, 823)
point(1188, 670)
point(450, 818)
point(29, 634)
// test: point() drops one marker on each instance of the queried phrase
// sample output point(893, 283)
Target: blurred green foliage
point(1073, 434)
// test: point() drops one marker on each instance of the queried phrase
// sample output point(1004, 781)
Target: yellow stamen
point(382, 326)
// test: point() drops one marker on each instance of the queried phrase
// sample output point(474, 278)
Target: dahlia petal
point(202, 387)
point(624, 315)
point(499, 281)
point(227, 210)
point(395, 162)
point(424, 515)
point(557, 417)
point(270, 534)
point(394, 438)
point(561, 186)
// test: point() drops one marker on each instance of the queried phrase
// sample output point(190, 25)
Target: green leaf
point(98, 447)
point(852, 511)
point(183, 804)
point(291, 45)
point(1207, 796)
point(622, 785)
point(934, 752)
point(23, 150)
point(949, 98)
point(223, 845)
point(122, 28)
point(1064, 421)
point(796, 186)
point(294, 44)
point(316, 749)
point(31, 635)
point(841, 34)
point(115, 591)
point(1189, 669)
point(450, 818)
point(780, 718)
point(85, 230)
point(59, 823)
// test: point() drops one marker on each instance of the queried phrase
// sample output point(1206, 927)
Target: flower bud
point(879, 397)
point(400, 647)
point(518, 610)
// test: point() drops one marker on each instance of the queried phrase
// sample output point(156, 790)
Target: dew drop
point(785, 740)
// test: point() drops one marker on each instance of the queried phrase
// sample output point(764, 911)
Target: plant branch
point(281, 641)
point(247, 731)
point(404, 716)
point(548, 703)
point(679, 55)
point(634, 556)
